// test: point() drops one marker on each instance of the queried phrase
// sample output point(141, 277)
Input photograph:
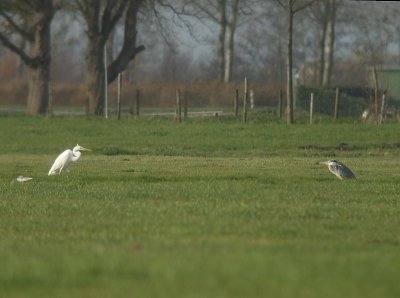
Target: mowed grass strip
point(200, 224)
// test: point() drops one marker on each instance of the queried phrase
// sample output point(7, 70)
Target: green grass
point(206, 208)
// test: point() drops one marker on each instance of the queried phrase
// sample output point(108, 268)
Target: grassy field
point(206, 208)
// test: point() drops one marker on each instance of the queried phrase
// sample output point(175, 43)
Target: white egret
point(63, 161)
point(338, 169)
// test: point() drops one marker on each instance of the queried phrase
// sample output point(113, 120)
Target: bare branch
point(111, 15)
point(283, 5)
point(33, 62)
point(303, 6)
point(16, 27)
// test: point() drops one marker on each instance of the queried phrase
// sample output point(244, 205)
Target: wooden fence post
point(337, 97)
point(178, 115)
point(311, 107)
point(245, 99)
point(236, 103)
point(119, 96)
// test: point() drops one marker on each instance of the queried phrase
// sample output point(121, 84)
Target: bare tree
point(207, 11)
point(331, 8)
point(319, 13)
point(373, 34)
point(291, 7)
point(222, 22)
point(31, 21)
point(231, 26)
point(261, 46)
point(101, 17)
point(324, 13)
point(226, 15)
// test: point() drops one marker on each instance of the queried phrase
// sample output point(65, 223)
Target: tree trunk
point(376, 89)
point(290, 9)
point(329, 44)
point(221, 40)
point(40, 59)
point(38, 95)
point(95, 78)
point(97, 37)
point(129, 49)
point(39, 71)
point(36, 31)
point(289, 77)
point(20, 66)
point(280, 63)
point(229, 56)
point(231, 43)
point(321, 50)
point(322, 15)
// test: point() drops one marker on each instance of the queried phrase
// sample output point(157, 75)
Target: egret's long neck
point(75, 155)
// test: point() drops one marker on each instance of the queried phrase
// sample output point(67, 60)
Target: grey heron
point(63, 161)
point(338, 169)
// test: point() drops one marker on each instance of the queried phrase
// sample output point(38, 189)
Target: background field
point(206, 208)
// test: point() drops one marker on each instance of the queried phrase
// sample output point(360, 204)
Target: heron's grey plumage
point(339, 169)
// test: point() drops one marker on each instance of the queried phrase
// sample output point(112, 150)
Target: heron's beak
point(86, 149)
point(321, 163)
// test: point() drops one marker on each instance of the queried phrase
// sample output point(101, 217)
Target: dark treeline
point(178, 43)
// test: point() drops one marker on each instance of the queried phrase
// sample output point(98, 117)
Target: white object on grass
point(23, 178)
point(63, 161)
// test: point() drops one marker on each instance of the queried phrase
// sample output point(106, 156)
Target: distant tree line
point(31, 21)
point(261, 39)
